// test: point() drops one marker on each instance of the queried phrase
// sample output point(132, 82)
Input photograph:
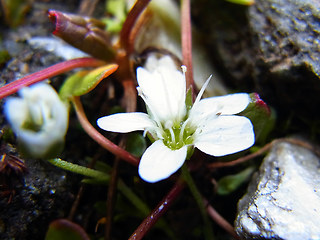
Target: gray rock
point(271, 47)
point(283, 199)
point(285, 36)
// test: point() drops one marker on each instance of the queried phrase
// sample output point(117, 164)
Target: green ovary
point(174, 140)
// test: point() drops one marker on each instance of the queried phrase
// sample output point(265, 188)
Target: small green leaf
point(63, 229)
point(230, 183)
point(83, 82)
point(117, 9)
point(136, 144)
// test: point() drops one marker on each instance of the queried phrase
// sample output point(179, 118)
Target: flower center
point(175, 136)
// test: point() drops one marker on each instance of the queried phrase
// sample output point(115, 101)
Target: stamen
point(182, 129)
point(173, 138)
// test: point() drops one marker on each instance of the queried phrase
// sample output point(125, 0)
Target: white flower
point(209, 125)
point(39, 119)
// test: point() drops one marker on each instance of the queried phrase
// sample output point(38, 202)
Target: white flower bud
point(39, 119)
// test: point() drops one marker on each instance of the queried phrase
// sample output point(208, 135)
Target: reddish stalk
point(99, 138)
point(162, 207)
point(52, 71)
point(129, 23)
point(220, 220)
point(242, 159)
point(186, 42)
point(263, 150)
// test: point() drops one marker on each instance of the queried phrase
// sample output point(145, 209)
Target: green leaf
point(63, 229)
point(136, 144)
point(117, 9)
point(230, 183)
point(83, 82)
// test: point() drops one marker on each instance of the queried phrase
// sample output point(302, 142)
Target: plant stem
point(99, 138)
point(162, 207)
point(220, 220)
point(197, 196)
point(49, 72)
point(79, 169)
point(262, 150)
point(186, 42)
point(129, 23)
point(112, 193)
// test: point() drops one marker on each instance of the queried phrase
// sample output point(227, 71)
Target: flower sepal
point(261, 115)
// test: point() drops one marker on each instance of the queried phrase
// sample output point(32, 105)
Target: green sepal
point(190, 151)
point(84, 81)
point(230, 183)
point(262, 117)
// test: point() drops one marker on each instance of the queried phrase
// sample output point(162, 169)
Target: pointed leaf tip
point(83, 82)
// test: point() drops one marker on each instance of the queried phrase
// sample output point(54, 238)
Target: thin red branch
point(99, 138)
point(129, 23)
point(162, 207)
point(49, 72)
point(242, 159)
point(186, 42)
point(263, 150)
point(220, 220)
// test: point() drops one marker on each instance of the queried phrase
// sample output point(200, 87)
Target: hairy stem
point(99, 138)
point(162, 207)
point(49, 72)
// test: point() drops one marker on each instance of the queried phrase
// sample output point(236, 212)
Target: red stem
point(129, 23)
point(52, 71)
point(99, 138)
point(162, 207)
point(186, 42)
point(220, 220)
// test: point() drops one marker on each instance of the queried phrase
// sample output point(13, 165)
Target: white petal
point(41, 105)
point(225, 135)
point(159, 162)
point(125, 122)
point(164, 90)
point(228, 104)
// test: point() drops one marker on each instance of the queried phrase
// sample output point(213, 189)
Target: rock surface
point(283, 199)
point(271, 47)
